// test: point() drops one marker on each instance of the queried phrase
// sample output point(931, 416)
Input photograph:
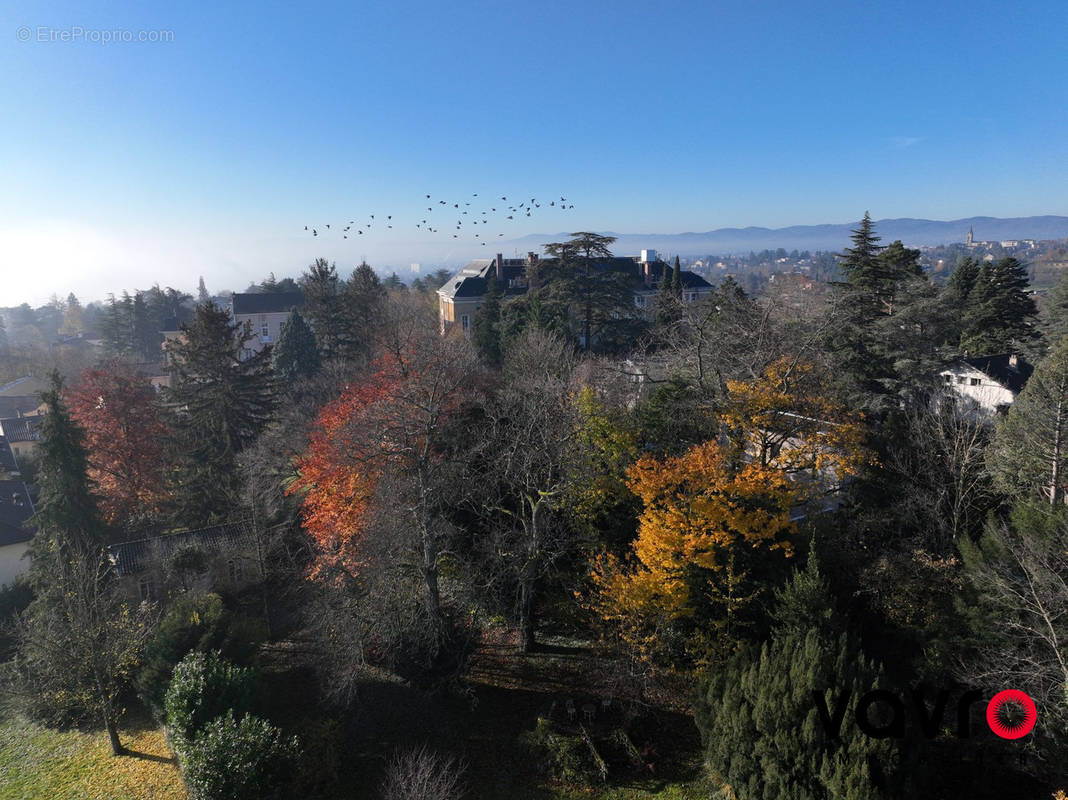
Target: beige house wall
point(12, 563)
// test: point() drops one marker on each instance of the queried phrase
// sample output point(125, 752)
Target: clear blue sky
point(127, 163)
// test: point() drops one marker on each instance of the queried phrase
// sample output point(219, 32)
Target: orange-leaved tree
point(700, 511)
point(118, 409)
point(390, 425)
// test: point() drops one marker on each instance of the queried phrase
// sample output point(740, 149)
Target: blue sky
point(125, 162)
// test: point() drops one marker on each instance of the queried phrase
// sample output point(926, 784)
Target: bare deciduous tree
point(422, 774)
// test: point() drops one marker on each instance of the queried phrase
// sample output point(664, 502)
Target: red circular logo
point(995, 714)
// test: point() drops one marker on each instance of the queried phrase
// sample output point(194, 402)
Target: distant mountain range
point(913, 232)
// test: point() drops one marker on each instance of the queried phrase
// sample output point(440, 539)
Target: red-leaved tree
point(118, 409)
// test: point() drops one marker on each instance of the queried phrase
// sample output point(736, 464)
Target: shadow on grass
point(126, 751)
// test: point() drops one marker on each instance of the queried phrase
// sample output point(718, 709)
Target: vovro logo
point(1011, 714)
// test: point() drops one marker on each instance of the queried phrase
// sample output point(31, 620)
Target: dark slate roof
point(999, 368)
point(130, 558)
point(7, 458)
point(21, 429)
point(266, 302)
point(22, 387)
point(16, 508)
point(13, 406)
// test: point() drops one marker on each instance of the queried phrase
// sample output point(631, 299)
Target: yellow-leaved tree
point(711, 515)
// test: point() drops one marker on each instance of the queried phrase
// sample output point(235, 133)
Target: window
point(962, 379)
point(947, 378)
point(233, 570)
point(465, 323)
point(974, 381)
point(265, 330)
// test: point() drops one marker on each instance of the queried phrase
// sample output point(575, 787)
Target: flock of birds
point(467, 218)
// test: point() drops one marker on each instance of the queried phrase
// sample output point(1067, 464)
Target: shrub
point(195, 622)
point(244, 759)
point(565, 758)
point(204, 687)
point(421, 774)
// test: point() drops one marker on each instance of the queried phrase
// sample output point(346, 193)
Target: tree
point(79, 642)
point(324, 308)
point(118, 409)
point(203, 687)
point(384, 430)
point(203, 295)
point(702, 517)
point(73, 316)
point(860, 263)
point(1030, 448)
point(363, 298)
point(421, 774)
point(1001, 312)
point(1055, 312)
point(295, 355)
point(1017, 607)
point(528, 454)
point(222, 397)
point(761, 730)
point(602, 298)
point(486, 331)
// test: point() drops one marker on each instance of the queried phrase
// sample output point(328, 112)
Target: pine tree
point(676, 279)
point(296, 354)
point(324, 308)
point(760, 722)
point(203, 296)
point(859, 263)
point(4, 344)
point(147, 339)
point(222, 398)
point(363, 299)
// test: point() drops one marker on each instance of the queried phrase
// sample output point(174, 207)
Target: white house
point(987, 385)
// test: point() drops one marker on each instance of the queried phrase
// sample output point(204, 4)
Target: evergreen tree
point(1000, 315)
point(73, 316)
point(761, 724)
point(147, 339)
point(68, 518)
point(486, 330)
point(296, 354)
point(324, 308)
point(1029, 454)
point(676, 279)
point(203, 296)
point(1055, 312)
point(222, 398)
point(363, 298)
point(859, 263)
point(4, 344)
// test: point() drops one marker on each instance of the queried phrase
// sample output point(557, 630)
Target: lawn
point(36, 762)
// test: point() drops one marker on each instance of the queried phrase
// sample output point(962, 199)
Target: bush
point(14, 599)
point(195, 622)
point(245, 759)
point(204, 687)
point(565, 758)
point(421, 774)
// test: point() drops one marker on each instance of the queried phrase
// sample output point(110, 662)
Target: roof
point(16, 508)
point(7, 457)
point(14, 406)
point(266, 302)
point(130, 558)
point(998, 367)
point(24, 387)
point(471, 281)
point(20, 429)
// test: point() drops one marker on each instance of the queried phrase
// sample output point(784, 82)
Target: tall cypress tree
point(222, 398)
point(486, 331)
point(296, 354)
point(676, 279)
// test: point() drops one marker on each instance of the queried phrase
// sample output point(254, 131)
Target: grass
point(37, 762)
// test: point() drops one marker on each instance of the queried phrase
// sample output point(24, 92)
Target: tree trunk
point(1055, 472)
point(113, 733)
point(526, 615)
